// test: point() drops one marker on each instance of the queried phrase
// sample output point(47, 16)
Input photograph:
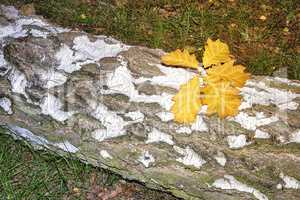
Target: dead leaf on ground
point(28, 9)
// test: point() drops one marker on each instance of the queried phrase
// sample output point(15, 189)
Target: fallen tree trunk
point(109, 104)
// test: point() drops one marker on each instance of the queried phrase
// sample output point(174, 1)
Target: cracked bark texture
point(108, 104)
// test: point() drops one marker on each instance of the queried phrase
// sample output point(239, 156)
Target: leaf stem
point(201, 70)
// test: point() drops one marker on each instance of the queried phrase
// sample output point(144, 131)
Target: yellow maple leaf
point(180, 58)
point(222, 98)
point(187, 101)
point(234, 74)
point(216, 52)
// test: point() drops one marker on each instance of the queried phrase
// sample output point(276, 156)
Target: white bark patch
point(261, 134)
point(290, 182)
point(18, 82)
point(105, 154)
point(230, 183)
point(3, 64)
point(165, 116)
point(53, 79)
point(16, 30)
point(66, 146)
point(39, 142)
point(190, 157)
point(158, 136)
point(279, 186)
point(173, 77)
point(184, 129)
point(244, 105)
point(136, 116)
point(52, 106)
point(69, 60)
point(282, 139)
point(84, 51)
point(98, 49)
point(266, 95)
point(121, 82)
point(252, 122)
point(285, 80)
point(295, 137)
point(114, 124)
point(199, 124)
point(203, 109)
point(13, 31)
point(221, 158)
point(236, 142)
point(289, 106)
point(38, 33)
point(146, 158)
point(5, 104)
point(28, 135)
point(10, 12)
point(40, 23)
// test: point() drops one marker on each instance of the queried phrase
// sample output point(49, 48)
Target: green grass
point(29, 174)
point(261, 45)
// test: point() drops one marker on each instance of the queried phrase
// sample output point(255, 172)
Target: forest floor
point(263, 35)
point(36, 175)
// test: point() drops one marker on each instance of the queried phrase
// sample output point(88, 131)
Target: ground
point(264, 37)
point(29, 174)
